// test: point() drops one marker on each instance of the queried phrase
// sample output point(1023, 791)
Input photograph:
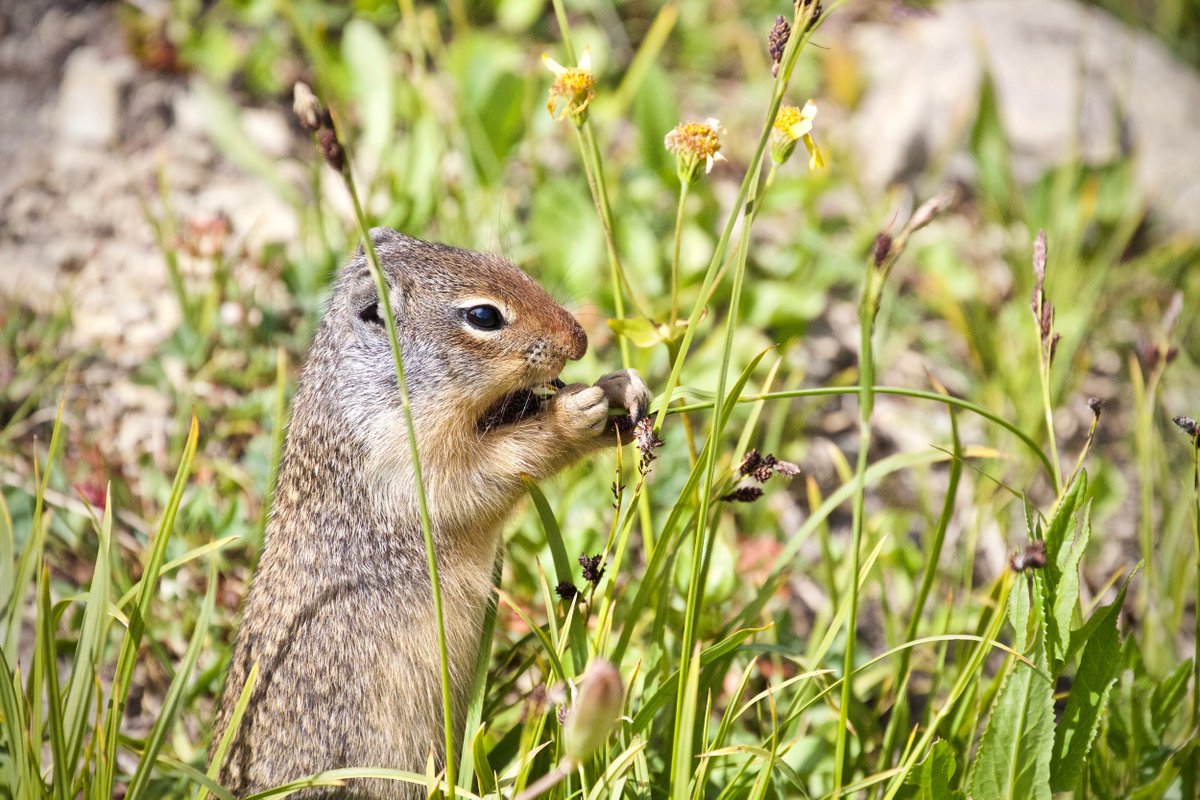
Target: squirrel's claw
point(626, 389)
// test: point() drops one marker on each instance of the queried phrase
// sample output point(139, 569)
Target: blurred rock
point(1069, 78)
point(89, 99)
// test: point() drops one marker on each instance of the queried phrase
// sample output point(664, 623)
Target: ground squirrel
point(339, 616)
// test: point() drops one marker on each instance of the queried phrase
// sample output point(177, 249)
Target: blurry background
point(167, 233)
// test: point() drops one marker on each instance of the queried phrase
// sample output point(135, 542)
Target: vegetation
point(982, 583)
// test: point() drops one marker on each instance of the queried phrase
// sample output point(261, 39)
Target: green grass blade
point(140, 613)
point(474, 720)
point(176, 563)
point(46, 650)
point(685, 726)
point(92, 637)
point(666, 689)
point(17, 765)
point(175, 693)
point(235, 722)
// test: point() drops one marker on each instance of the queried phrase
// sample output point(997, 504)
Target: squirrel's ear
point(364, 298)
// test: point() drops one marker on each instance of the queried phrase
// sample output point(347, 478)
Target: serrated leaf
point(932, 777)
point(1167, 698)
point(1060, 521)
point(1064, 583)
point(1014, 755)
point(1098, 668)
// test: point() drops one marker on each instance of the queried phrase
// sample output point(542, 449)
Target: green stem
point(787, 65)
point(705, 527)
point(1196, 539)
point(932, 557)
point(679, 214)
point(1048, 407)
point(867, 311)
point(889, 390)
point(389, 317)
point(595, 178)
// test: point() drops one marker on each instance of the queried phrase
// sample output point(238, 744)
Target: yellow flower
point(694, 143)
point(791, 125)
point(573, 87)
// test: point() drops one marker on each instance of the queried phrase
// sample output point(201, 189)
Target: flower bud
point(595, 712)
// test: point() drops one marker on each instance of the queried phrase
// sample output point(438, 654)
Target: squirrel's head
point(477, 334)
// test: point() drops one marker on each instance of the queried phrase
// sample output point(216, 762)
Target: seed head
point(882, 248)
point(315, 118)
point(567, 591)
point(1032, 557)
point(1096, 405)
point(592, 571)
point(743, 494)
point(1190, 427)
point(777, 41)
point(647, 442)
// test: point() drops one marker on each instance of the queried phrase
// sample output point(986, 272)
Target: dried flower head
point(1096, 405)
point(1190, 427)
point(566, 590)
point(882, 248)
point(592, 571)
point(315, 118)
point(573, 88)
point(814, 11)
point(306, 106)
point(777, 41)
point(743, 494)
point(1043, 309)
point(695, 143)
point(1032, 557)
point(647, 442)
point(791, 125)
point(761, 467)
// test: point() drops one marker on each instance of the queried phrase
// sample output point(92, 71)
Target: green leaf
point(932, 777)
point(1014, 755)
point(1167, 698)
point(1080, 635)
point(1064, 591)
point(1060, 521)
point(1098, 668)
point(642, 332)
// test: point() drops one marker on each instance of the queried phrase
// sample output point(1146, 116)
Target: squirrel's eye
point(485, 318)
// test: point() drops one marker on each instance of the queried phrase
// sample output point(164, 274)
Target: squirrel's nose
point(574, 340)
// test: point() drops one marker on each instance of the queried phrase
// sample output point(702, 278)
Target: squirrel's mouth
point(521, 404)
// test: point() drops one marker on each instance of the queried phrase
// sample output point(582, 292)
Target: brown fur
point(339, 617)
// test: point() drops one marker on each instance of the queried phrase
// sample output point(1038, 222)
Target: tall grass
point(849, 633)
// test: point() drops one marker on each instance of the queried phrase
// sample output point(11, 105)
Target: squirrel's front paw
point(626, 389)
point(581, 411)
